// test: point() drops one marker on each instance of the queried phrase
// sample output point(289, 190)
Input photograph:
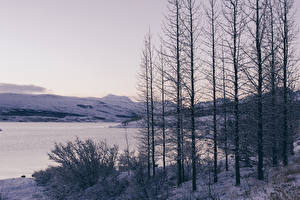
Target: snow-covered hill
point(25, 107)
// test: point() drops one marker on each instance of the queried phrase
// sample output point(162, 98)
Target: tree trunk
point(285, 65)
point(236, 99)
point(225, 110)
point(214, 92)
point(259, 96)
point(152, 105)
point(194, 172)
point(273, 92)
point(148, 117)
point(178, 106)
point(163, 111)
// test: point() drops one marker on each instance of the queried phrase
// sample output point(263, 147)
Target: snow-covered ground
point(21, 189)
point(281, 183)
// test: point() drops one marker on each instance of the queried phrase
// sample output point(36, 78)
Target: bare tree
point(273, 82)
point(143, 88)
point(257, 30)
point(179, 103)
point(234, 27)
point(151, 72)
point(224, 107)
point(162, 83)
point(212, 15)
point(258, 40)
point(285, 65)
point(191, 37)
point(172, 43)
point(286, 18)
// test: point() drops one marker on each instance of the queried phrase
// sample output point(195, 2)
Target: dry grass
point(286, 185)
point(286, 192)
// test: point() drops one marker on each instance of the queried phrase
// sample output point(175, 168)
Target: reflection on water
point(24, 146)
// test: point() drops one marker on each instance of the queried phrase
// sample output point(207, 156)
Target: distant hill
point(25, 107)
point(111, 108)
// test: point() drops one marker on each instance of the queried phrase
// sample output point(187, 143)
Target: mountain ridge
point(49, 107)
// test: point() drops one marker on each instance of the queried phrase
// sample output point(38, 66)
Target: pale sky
point(76, 47)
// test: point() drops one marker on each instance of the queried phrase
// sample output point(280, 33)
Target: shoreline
point(21, 188)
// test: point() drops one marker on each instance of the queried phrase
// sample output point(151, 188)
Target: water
point(24, 146)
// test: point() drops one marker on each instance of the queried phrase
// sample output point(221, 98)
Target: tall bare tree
point(178, 96)
point(257, 17)
point(190, 21)
point(162, 84)
point(259, 36)
point(212, 15)
point(143, 88)
point(286, 17)
point(224, 107)
point(234, 27)
point(172, 43)
point(151, 80)
point(273, 81)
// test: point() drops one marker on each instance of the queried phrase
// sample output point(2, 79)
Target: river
point(24, 145)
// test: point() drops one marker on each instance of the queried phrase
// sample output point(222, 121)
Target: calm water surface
point(24, 146)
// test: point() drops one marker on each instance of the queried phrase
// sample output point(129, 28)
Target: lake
point(24, 145)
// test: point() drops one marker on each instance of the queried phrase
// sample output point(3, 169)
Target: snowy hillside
point(24, 107)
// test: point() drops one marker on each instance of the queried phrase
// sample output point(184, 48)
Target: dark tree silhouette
point(234, 26)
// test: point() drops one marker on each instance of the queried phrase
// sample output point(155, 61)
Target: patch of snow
point(21, 189)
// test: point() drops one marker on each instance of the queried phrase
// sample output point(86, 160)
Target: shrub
point(142, 187)
point(110, 188)
point(43, 177)
point(84, 161)
point(80, 164)
point(127, 161)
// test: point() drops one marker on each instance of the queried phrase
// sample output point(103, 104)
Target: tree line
point(221, 82)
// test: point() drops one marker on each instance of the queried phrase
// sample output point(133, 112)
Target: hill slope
point(24, 107)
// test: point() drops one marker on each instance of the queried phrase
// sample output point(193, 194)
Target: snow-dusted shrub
point(82, 162)
point(142, 187)
point(127, 161)
point(80, 165)
point(110, 188)
point(43, 177)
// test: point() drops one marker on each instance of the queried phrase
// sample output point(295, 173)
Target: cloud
point(23, 89)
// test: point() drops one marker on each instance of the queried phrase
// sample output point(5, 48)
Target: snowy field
point(21, 189)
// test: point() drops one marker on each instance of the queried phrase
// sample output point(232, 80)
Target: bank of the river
point(21, 189)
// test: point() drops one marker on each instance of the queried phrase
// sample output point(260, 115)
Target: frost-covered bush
point(43, 177)
point(127, 161)
point(142, 187)
point(80, 165)
point(84, 161)
point(110, 188)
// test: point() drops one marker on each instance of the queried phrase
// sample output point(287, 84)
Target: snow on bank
point(281, 183)
point(21, 189)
